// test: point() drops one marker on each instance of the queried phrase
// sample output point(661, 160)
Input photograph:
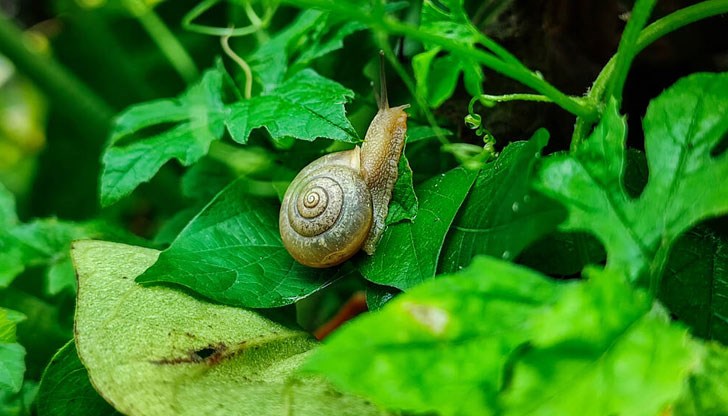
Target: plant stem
point(165, 40)
point(67, 94)
point(581, 108)
point(651, 33)
point(627, 46)
point(248, 92)
point(490, 100)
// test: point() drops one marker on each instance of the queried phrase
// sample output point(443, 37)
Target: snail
point(337, 204)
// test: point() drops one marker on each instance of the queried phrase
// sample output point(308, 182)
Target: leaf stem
point(491, 100)
point(581, 108)
point(649, 34)
point(628, 46)
point(248, 92)
point(257, 23)
point(165, 40)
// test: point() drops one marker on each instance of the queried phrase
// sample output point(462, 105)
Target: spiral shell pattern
point(326, 213)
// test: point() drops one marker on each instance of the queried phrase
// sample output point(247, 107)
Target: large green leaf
point(66, 390)
point(502, 214)
point(602, 349)
point(695, 286)
point(682, 127)
point(232, 252)
point(189, 124)
point(408, 252)
point(501, 339)
point(158, 351)
point(305, 106)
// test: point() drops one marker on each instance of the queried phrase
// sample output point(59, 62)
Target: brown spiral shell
point(326, 212)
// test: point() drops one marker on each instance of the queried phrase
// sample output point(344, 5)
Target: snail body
point(337, 204)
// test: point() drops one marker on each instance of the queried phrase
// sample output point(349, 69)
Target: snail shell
point(326, 213)
point(338, 204)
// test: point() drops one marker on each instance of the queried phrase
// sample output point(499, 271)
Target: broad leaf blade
point(408, 252)
point(502, 215)
point(501, 339)
point(232, 253)
point(433, 348)
point(306, 106)
point(66, 390)
point(404, 204)
point(159, 351)
point(196, 119)
point(695, 286)
point(680, 134)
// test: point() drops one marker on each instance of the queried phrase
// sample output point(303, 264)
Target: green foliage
point(410, 250)
point(499, 339)
point(190, 122)
point(305, 106)
point(502, 215)
point(231, 252)
point(695, 285)
point(12, 363)
point(437, 71)
point(450, 331)
point(66, 390)
point(191, 357)
point(681, 130)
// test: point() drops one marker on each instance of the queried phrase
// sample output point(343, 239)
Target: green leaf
point(66, 390)
point(416, 133)
point(609, 347)
point(12, 354)
point(404, 205)
point(311, 35)
point(46, 242)
point(190, 356)
point(695, 286)
point(496, 338)
point(436, 73)
point(408, 252)
point(305, 106)
point(682, 126)
point(706, 393)
point(8, 217)
point(502, 215)
point(232, 253)
point(436, 77)
point(188, 125)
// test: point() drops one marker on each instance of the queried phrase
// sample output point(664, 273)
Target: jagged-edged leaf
point(305, 106)
point(148, 135)
point(12, 354)
point(408, 252)
point(682, 128)
point(497, 338)
point(232, 252)
point(159, 351)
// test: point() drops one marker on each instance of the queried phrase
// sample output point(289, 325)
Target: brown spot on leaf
point(211, 354)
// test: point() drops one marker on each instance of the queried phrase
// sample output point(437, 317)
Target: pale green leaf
point(499, 339)
point(191, 357)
